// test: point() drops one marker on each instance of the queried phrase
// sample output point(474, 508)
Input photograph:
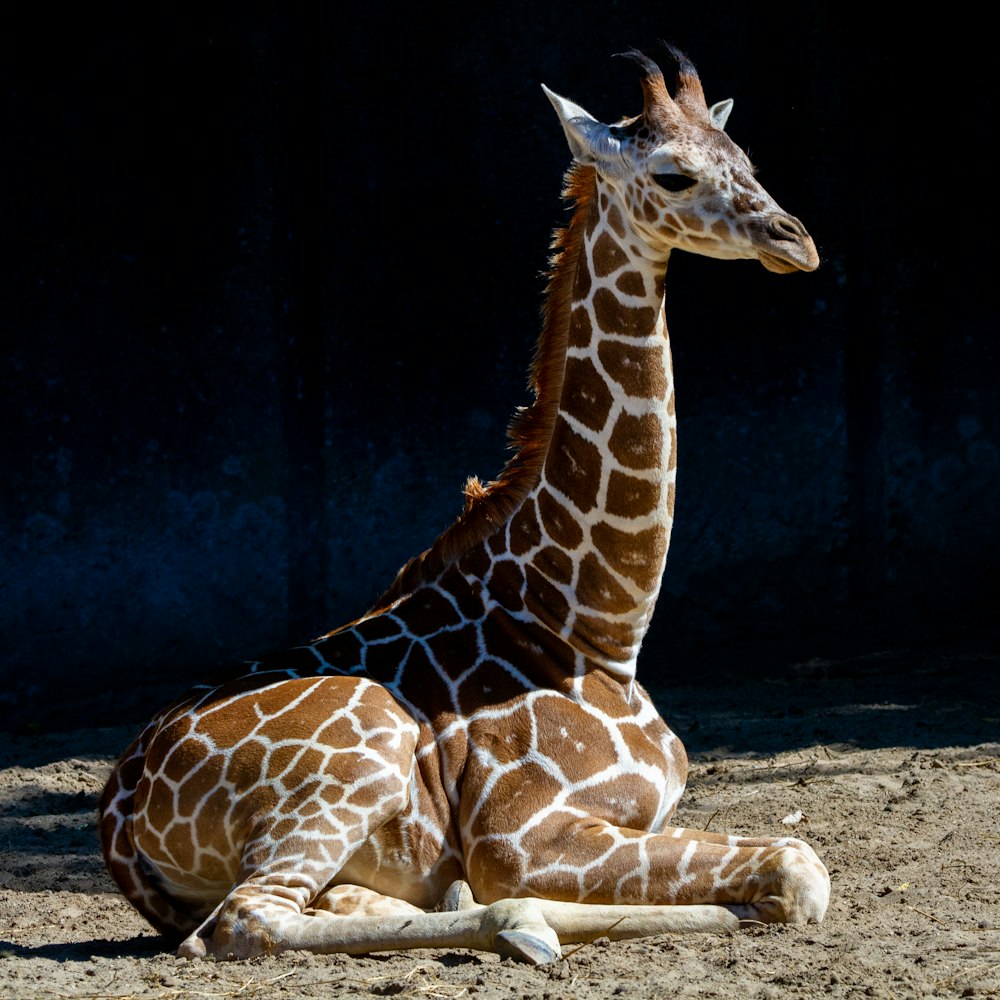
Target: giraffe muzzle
point(783, 245)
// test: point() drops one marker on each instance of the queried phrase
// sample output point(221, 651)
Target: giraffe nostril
point(785, 227)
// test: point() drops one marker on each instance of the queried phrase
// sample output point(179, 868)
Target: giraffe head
point(681, 180)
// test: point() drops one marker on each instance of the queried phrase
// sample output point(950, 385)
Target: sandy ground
point(892, 757)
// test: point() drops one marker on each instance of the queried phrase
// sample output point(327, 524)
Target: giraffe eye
point(674, 182)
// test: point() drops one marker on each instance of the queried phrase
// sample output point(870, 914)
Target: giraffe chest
point(550, 752)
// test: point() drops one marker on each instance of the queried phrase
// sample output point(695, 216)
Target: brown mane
point(488, 507)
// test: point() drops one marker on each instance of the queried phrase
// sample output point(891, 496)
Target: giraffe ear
point(589, 140)
point(718, 114)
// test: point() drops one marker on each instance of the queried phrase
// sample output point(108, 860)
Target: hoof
point(458, 897)
point(192, 947)
point(525, 947)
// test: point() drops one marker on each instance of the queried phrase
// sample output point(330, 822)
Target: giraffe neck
point(593, 532)
point(574, 532)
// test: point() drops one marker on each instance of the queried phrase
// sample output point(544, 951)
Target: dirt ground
point(892, 757)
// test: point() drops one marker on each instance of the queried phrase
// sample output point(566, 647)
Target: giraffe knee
point(800, 889)
point(244, 926)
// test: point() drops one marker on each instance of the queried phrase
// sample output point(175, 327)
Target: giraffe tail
point(124, 862)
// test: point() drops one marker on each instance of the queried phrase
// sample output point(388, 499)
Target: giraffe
point(473, 762)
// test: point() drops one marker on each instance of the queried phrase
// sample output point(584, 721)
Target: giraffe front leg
point(591, 861)
point(577, 922)
point(258, 919)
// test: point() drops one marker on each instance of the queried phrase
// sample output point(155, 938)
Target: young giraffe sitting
point(478, 742)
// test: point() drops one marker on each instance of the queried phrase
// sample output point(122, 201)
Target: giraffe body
point(482, 726)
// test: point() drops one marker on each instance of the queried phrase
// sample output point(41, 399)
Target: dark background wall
point(271, 285)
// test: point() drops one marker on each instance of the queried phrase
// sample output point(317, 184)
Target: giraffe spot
point(596, 588)
point(373, 629)
point(155, 801)
point(281, 757)
point(745, 203)
point(496, 543)
point(582, 283)
point(544, 600)
point(263, 801)
point(573, 465)
point(555, 564)
point(630, 283)
point(342, 650)
point(301, 793)
point(615, 641)
point(491, 684)
point(691, 222)
point(130, 771)
point(638, 555)
point(421, 684)
point(179, 845)
point(613, 316)
point(210, 823)
point(212, 868)
point(314, 699)
point(476, 562)
point(627, 800)
point(637, 441)
point(671, 494)
point(427, 611)
point(313, 808)
point(606, 694)
point(638, 370)
point(580, 330)
point(575, 741)
point(456, 650)
point(287, 827)
point(672, 460)
point(628, 857)
point(516, 797)
point(645, 744)
point(338, 731)
point(181, 759)
point(301, 776)
point(382, 660)
point(367, 796)
point(466, 594)
point(650, 210)
point(210, 774)
point(230, 722)
point(560, 525)
point(585, 394)
point(509, 641)
point(615, 220)
point(354, 765)
point(525, 534)
point(506, 584)
point(629, 496)
point(607, 256)
point(721, 229)
point(332, 793)
point(554, 659)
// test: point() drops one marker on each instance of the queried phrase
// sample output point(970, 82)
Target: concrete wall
point(271, 291)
